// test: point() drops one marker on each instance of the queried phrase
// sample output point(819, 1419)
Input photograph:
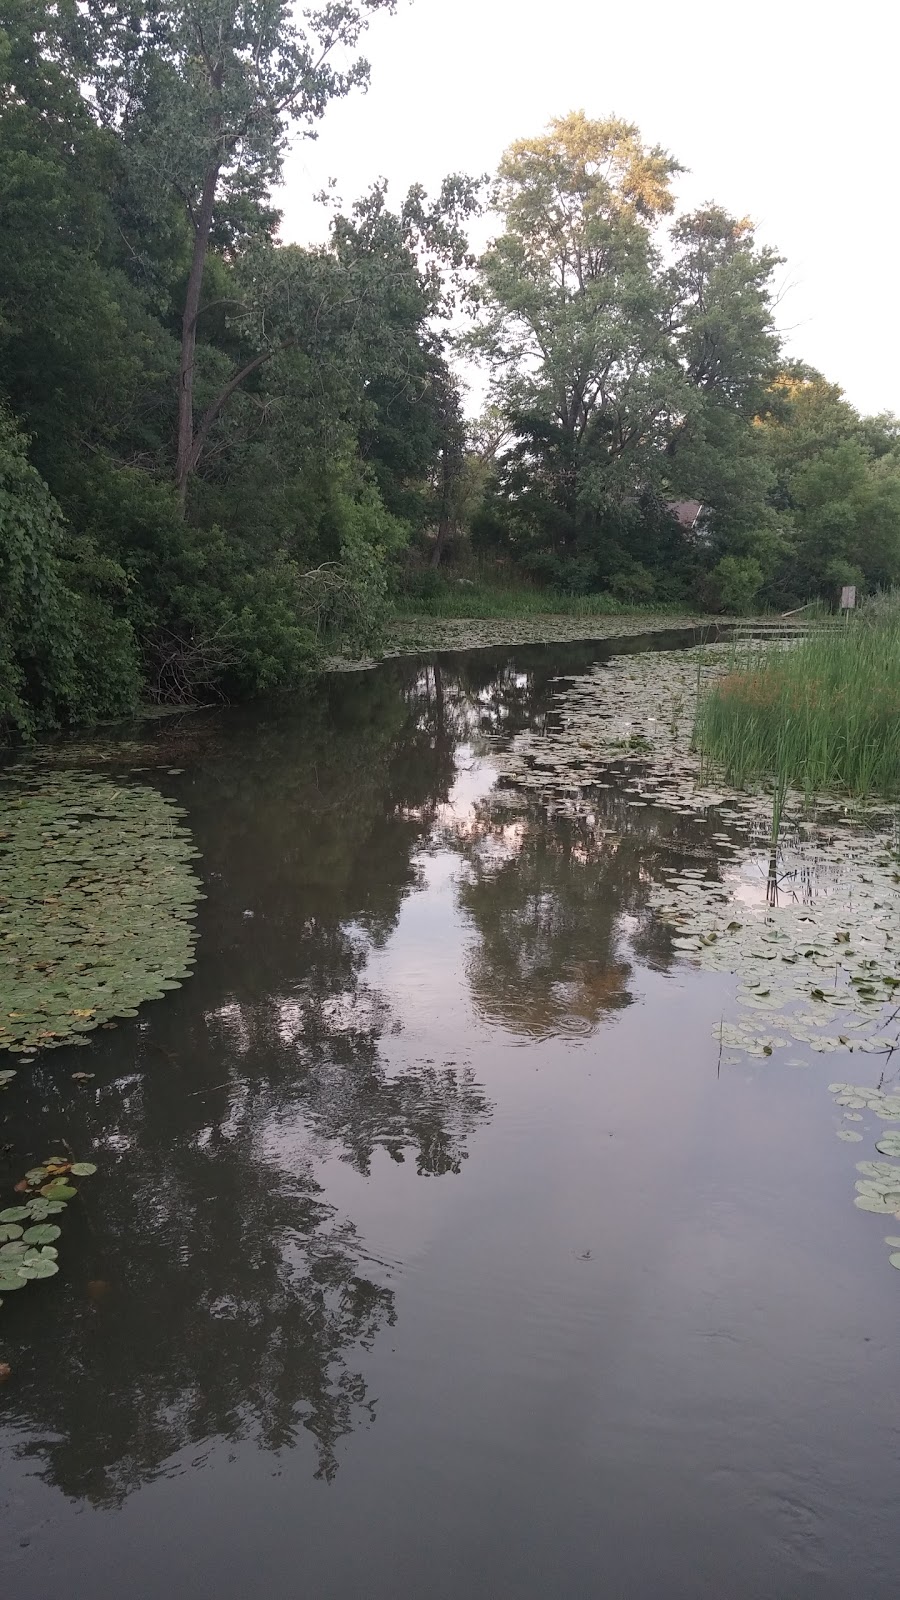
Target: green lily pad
point(851, 1136)
point(44, 1233)
point(9, 1230)
point(874, 1203)
point(41, 1268)
point(889, 1144)
point(893, 1241)
point(99, 900)
point(13, 1250)
point(10, 1281)
point(83, 1169)
point(895, 1259)
point(14, 1214)
point(59, 1191)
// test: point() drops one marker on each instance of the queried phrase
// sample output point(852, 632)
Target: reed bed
point(821, 714)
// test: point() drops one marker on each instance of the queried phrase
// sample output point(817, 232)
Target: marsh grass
point(820, 715)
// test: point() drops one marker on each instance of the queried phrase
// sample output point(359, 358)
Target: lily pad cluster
point(97, 901)
point(878, 1184)
point(28, 1231)
point(638, 710)
point(822, 966)
point(818, 960)
point(409, 635)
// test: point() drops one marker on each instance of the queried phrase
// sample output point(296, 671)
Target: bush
point(64, 656)
point(732, 586)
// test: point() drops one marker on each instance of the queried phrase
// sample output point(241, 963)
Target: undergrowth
point(437, 596)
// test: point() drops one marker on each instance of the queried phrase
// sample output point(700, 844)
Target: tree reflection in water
point(210, 1291)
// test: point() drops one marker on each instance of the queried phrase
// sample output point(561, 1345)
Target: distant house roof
point(686, 511)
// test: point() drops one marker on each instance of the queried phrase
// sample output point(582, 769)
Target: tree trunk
point(202, 226)
point(445, 528)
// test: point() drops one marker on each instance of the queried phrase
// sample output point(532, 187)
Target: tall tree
point(203, 94)
point(612, 336)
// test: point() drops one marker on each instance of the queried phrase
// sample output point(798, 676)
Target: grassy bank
point(822, 715)
point(479, 596)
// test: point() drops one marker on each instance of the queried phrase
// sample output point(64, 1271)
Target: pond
point(437, 1246)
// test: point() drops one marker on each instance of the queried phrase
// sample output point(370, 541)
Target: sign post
point(848, 597)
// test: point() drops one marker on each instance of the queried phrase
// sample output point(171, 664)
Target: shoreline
point(427, 635)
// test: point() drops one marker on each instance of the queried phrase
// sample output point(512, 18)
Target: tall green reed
point(821, 714)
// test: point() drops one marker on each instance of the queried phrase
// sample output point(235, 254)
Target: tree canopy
point(222, 451)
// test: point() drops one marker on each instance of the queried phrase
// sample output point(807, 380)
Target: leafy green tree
point(836, 484)
point(202, 97)
point(620, 348)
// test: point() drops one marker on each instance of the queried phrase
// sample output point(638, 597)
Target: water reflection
point(210, 1290)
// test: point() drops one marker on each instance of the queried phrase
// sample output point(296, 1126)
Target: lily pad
point(99, 896)
point(14, 1214)
point(851, 1136)
point(895, 1259)
point(82, 1169)
point(59, 1191)
point(874, 1203)
point(44, 1233)
point(889, 1144)
point(42, 1267)
point(10, 1281)
point(9, 1230)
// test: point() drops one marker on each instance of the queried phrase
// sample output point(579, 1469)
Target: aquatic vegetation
point(414, 635)
point(27, 1240)
point(825, 714)
point(818, 964)
point(97, 900)
point(811, 927)
point(636, 711)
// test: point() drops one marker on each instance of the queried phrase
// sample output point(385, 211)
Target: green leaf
point(14, 1214)
point(9, 1230)
point(10, 1281)
point(59, 1191)
point(41, 1268)
point(83, 1169)
point(44, 1233)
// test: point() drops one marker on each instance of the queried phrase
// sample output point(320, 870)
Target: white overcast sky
point(787, 111)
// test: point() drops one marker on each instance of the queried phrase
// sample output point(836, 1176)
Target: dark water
point(432, 1253)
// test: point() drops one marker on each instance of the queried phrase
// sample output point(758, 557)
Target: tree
point(836, 485)
point(202, 96)
point(572, 311)
point(614, 342)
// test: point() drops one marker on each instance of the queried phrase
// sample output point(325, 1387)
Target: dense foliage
point(635, 362)
point(212, 443)
point(219, 451)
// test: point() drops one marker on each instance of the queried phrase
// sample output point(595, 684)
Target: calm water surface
point(433, 1253)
